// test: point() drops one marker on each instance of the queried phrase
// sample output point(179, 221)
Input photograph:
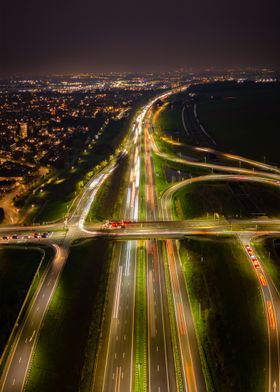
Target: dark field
point(17, 270)
point(243, 120)
point(231, 199)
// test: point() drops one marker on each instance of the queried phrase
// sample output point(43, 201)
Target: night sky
point(68, 35)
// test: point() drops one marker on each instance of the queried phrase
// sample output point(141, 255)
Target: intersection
point(115, 364)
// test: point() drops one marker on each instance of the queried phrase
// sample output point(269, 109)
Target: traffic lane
point(158, 369)
point(272, 304)
point(161, 361)
point(119, 360)
point(271, 299)
point(166, 320)
point(196, 359)
point(98, 380)
point(189, 352)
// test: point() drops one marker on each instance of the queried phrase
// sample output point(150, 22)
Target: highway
point(115, 365)
point(116, 362)
point(162, 376)
point(191, 367)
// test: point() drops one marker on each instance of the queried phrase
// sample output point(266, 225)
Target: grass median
point(108, 202)
point(228, 311)
point(65, 354)
point(140, 354)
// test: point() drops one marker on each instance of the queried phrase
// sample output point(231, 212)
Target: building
point(23, 130)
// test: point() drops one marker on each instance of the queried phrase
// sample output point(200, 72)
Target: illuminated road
point(191, 368)
point(271, 300)
point(115, 363)
point(17, 366)
point(115, 366)
point(162, 375)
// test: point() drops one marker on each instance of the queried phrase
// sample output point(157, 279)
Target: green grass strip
point(140, 369)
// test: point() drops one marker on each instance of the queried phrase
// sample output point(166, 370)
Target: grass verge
point(228, 311)
point(109, 199)
point(140, 370)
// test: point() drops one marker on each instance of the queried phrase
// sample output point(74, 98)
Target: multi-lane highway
point(115, 370)
point(162, 375)
point(185, 339)
point(115, 364)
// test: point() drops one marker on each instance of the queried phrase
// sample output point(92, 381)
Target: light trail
point(270, 313)
point(117, 295)
point(124, 281)
point(270, 298)
point(184, 342)
point(127, 261)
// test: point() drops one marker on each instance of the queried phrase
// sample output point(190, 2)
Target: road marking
point(14, 380)
point(118, 379)
point(117, 293)
point(19, 361)
point(32, 336)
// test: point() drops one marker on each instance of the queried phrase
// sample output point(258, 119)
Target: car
point(5, 237)
point(45, 235)
point(37, 235)
point(249, 249)
point(256, 263)
point(14, 236)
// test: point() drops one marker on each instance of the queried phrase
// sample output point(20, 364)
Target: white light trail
point(117, 293)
